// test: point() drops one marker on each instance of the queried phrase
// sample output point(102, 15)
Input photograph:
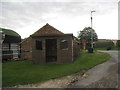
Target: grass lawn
point(24, 72)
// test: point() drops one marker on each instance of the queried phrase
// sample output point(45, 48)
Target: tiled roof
point(47, 30)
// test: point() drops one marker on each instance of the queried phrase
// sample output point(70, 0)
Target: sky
point(69, 16)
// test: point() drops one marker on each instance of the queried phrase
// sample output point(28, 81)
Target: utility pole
point(92, 18)
point(92, 30)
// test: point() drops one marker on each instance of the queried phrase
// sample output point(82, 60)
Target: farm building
point(49, 45)
point(10, 44)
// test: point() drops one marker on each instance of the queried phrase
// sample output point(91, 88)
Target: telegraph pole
point(92, 17)
point(92, 30)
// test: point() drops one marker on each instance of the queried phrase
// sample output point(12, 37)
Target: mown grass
point(24, 72)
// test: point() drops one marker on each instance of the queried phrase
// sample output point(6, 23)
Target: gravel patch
point(62, 82)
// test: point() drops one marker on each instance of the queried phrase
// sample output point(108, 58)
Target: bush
point(106, 44)
point(90, 50)
point(108, 48)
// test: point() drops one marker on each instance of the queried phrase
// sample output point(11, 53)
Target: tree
point(86, 34)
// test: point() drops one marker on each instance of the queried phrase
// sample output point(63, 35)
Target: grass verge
point(24, 72)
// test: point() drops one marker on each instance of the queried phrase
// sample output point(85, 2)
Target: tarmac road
point(104, 75)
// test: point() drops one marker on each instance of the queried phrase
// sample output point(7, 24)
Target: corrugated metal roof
point(9, 32)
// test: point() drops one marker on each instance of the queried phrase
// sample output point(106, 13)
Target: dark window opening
point(64, 44)
point(38, 45)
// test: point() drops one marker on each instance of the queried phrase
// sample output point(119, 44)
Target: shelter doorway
point(51, 50)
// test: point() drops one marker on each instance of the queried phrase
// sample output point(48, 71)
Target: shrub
point(90, 50)
point(108, 48)
point(105, 44)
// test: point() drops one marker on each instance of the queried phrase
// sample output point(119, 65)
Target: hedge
point(118, 43)
point(104, 44)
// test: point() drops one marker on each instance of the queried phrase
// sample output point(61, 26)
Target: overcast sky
point(69, 16)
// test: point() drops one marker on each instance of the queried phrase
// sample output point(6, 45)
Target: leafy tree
point(86, 34)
